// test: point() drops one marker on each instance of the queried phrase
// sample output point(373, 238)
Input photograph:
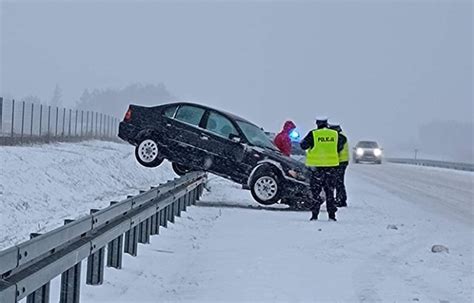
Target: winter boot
point(314, 216)
point(332, 217)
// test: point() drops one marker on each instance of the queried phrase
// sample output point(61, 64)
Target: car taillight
point(128, 115)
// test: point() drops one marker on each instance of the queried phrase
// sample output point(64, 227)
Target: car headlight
point(359, 151)
point(377, 152)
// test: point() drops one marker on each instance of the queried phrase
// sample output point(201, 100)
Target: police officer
point(323, 146)
point(341, 195)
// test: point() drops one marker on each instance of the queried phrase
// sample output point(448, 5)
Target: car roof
point(224, 113)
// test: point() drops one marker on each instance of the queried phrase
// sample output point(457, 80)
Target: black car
point(367, 151)
point(196, 137)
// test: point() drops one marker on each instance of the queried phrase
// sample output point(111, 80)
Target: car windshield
point(255, 135)
point(367, 144)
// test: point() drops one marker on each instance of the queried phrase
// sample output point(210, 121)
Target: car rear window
point(190, 114)
point(169, 111)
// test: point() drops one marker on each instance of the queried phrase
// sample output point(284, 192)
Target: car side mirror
point(235, 138)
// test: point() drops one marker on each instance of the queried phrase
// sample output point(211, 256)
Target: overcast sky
point(380, 68)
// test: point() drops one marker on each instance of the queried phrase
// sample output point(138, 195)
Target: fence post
point(13, 117)
point(49, 119)
point(96, 123)
point(92, 124)
point(75, 127)
point(82, 121)
point(1, 115)
point(57, 119)
point(31, 122)
point(41, 119)
point(64, 121)
point(87, 123)
point(22, 118)
point(100, 126)
point(70, 117)
point(41, 295)
point(71, 282)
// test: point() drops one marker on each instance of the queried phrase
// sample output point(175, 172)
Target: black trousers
point(323, 178)
point(341, 195)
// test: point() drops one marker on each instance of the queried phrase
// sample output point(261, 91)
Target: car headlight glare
point(359, 151)
point(377, 152)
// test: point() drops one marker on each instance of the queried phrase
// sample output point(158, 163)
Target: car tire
point(147, 153)
point(266, 186)
point(378, 162)
point(180, 169)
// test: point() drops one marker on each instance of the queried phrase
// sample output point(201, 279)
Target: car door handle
point(204, 137)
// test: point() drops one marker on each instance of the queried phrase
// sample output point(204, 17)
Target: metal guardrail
point(433, 163)
point(27, 268)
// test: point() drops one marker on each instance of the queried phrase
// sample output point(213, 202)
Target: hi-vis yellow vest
point(344, 153)
point(324, 151)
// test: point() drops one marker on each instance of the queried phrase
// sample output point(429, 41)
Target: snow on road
point(42, 185)
point(229, 249)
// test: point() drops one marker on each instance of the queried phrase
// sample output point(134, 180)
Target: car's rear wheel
point(147, 153)
point(265, 186)
point(179, 169)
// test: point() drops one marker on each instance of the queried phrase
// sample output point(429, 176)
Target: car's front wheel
point(265, 186)
point(179, 169)
point(147, 153)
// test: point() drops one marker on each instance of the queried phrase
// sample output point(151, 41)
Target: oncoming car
point(196, 137)
point(367, 151)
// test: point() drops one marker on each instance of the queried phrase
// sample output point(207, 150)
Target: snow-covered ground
point(42, 185)
point(228, 249)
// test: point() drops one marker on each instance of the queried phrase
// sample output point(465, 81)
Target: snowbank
point(42, 185)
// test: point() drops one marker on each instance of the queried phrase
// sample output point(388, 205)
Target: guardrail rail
point(26, 269)
point(434, 163)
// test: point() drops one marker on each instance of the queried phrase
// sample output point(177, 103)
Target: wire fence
point(24, 122)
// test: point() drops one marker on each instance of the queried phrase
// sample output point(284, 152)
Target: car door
point(227, 153)
point(185, 126)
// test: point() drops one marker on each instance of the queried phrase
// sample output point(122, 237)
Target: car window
point(220, 125)
point(190, 114)
point(367, 144)
point(169, 112)
point(255, 135)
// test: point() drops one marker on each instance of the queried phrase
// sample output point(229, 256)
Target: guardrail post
point(144, 232)
point(131, 241)
point(163, 217)
point(71, 282)
point(184, 203)
point(114, 250)
point(95, 264)
point(153, 224)
point(41, 295)
point(171, 212)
